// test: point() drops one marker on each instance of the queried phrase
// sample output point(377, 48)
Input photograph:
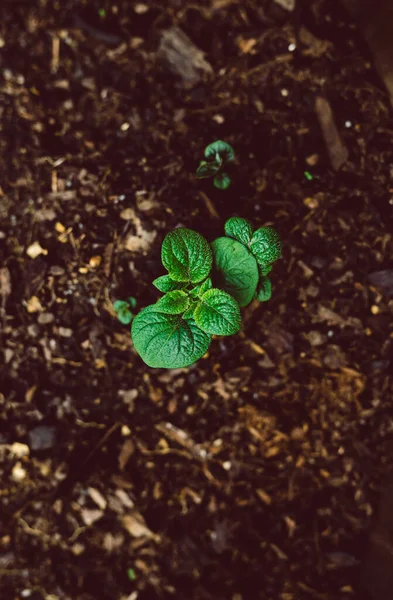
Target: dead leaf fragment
point(33, 305)
point(35, 249)
point(135, 525)
point(336, 148)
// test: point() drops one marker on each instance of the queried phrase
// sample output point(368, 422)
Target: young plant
point(203, 291)
point(217, 155)
point(123, 310)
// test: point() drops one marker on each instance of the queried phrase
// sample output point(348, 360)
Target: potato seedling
point(217, 154)
point(203, 290)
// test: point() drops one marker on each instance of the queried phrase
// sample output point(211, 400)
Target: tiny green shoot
point(217, 155)
point(203, 290)
point(123, 311)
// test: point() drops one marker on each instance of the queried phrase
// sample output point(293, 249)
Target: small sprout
point(220, 152)
point(204, 289)
point(308, 176)
point(222, 181)
point(131, 574)
point(102, 13)
point(217, 155)
point(122, 310)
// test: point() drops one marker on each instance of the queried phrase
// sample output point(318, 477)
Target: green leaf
point(166, 284)
point(123, 312)
point(200, 289)
point(167, 341)
point(236, 270)
point(264, 291)
point(239, 229)
point(220, 150)
point(222, 181)
point(266, 245)
point(173, 303)
point(131, 301)
point(207, 169)
point(186, 255)
point(265, 270)
point(190, 311)
point(218, 313)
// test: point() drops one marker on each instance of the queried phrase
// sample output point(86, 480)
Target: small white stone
point(125, 127)
point(284, 92)
point(292, 47)
point(18, 472)
point(227, 465)
point(348, 124)
point(19, 450)
point(65, 332)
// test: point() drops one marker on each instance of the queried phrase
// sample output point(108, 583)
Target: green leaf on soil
point(173, 303)
point(122, 309)
point(220, 150)
point(218, 313)
point(222, 181)
point(235, 269)
point(166, 284)
point(167, 341)
point(186, 255)
point(264, 291)
point(266, 245)
point(239, 229)
point(207, 169)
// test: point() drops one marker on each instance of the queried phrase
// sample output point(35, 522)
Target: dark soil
point(255, 473)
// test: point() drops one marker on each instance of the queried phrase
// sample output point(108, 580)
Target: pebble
point(19, 450)
point(45, 318)
point(42, 437)
point(18, 472)
point(65, 332)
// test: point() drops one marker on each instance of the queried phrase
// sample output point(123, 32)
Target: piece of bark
point(382, 279)
point(286, 4)
point(338, 152)
point(375, 18)
point(182, 57)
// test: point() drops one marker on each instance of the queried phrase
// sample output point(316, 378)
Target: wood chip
point(182, 57)
point(288, 5)
point(97, 498)
point(336, 148)
point(135, 525)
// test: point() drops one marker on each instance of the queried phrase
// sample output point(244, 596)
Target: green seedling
point(203, 291)
point(123, 310)
point(217, 155)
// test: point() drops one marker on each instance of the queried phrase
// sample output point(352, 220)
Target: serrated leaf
point(166, 284)
point(200, 289)
point(173, 303)
point(218, 313)
point(221, 149)
point(122, 309)
point(264, 291)
point(167, 341)
point(207, 169)
point(266, 245)
point(186, 255)
point(235, 269)
point(222, 181)
point(239, 229)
